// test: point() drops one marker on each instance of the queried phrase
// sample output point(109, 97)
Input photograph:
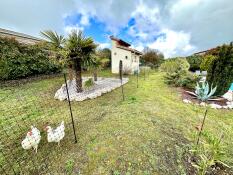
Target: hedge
point(220, 71)
point(19, 61)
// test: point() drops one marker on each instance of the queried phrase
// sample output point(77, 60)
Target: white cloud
point(31, 17)
point(104, 45)
point(85, 21)
point(68, 29)
point(173, 43)
point(147, 20)
point(199, 24)
point(115, 14)
point(138, 47)
point(207, 21)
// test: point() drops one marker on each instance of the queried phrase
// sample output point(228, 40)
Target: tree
point(80, 50)
point(97, 64)
point(106, 55)
point(152, 57)
point(56, 40)
point(220, 71)
point(195, 62)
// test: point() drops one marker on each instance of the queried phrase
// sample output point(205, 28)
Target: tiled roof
point(124, 45)
point(120, 41)
point(130, 49)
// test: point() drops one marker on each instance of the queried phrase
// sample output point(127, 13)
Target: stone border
point(229, 105)
point(101, 86)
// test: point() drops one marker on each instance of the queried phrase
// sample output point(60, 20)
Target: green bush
point(181, 79)
point(89, 83)
point(18, 60)
point(194, 62)
point(172, 65)
point(177, 73)
point(220, 71)
point(206, 62)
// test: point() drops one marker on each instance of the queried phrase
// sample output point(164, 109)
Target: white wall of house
point(130, 60)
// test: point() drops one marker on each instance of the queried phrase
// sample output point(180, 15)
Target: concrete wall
point(130, 60)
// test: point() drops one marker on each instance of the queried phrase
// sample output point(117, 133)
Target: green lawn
point(145, 134)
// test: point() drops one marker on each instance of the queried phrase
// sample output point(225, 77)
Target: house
point(121, 51)
point(20, 37)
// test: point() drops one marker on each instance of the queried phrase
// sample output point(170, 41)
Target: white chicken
point(32, 139)
point(55, 135)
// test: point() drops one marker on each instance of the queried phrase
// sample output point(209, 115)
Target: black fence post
point(71, 114)
point(121, 77)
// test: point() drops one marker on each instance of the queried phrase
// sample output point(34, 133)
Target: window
point(115, 53)
point(126, 57)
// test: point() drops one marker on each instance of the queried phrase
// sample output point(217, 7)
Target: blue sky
point(174, 27)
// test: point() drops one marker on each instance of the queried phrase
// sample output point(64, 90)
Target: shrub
point(220, 71)
point(181, 79)
point(173, 65)
point(194, 62)
point(177, 73)
point(206, 62)
point(89, 83)
point(18, 60)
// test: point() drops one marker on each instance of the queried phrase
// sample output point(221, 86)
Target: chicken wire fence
point(33, 121)
point(35, 128)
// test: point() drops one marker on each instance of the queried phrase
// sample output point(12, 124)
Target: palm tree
point(80, 50)
point(56, 40)
point(95, 66)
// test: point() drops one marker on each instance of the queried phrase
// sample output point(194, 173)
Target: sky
point(174, 27)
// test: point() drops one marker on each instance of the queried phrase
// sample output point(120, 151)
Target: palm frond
point(52, 37)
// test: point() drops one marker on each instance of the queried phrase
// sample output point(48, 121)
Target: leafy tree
point(220, 71)
point(106, 55)
point(152, 57)
point(80, 50)
point(194, 62)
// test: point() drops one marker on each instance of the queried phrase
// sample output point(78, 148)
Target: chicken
point(56, 135)
point(32, 139)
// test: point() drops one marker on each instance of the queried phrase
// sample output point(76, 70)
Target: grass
point(145, 134)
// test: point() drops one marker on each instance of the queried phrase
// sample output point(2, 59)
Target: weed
point(89, 83)
point(69, 166)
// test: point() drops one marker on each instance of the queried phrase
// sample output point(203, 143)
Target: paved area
point(103, 85)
